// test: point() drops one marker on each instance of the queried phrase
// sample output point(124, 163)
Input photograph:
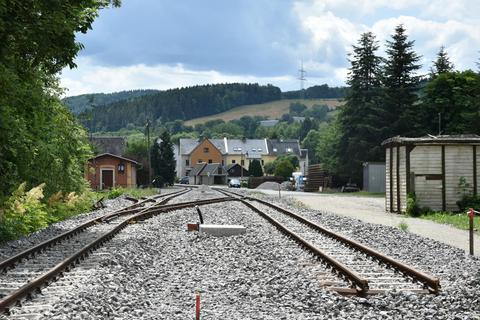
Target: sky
point(152, 44)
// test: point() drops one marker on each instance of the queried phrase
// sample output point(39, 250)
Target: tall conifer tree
point(163, 160)
point(442, 64)
point(361, 124)
point(401, 82)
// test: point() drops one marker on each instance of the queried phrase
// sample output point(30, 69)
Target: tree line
point(387, 97)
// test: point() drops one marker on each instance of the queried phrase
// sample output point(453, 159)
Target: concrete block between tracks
point(220, 230)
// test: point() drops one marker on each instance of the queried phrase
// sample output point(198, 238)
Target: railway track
point(29, 271)
point(355, 268)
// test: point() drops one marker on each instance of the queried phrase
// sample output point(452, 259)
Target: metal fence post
point(471, 215)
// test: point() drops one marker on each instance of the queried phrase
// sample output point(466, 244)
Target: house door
point(107, 179)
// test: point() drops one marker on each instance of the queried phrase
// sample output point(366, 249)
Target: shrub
point(412, 207)
point(115, 193)
point(403, 226)
point(469, 201)
point(284, 169)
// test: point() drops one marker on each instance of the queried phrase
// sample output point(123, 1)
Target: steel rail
point(349, 274)
point(9, 262)
point(65, 264)
point(430, 282)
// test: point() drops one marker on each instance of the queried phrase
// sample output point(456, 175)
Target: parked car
point(184, 180)
point(234, 183)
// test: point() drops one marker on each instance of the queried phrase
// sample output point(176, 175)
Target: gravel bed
point(151, 270)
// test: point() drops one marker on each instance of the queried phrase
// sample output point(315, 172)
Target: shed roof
point(435, 140)
point(212, 169)
point(197, 169)
point(114, 156)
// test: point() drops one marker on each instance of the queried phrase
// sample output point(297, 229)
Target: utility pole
point(302, 79)
point(148, 153)
point(439, 123)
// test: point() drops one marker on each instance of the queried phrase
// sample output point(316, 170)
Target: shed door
point(107, 179)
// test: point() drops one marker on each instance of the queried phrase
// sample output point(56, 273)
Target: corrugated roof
point(430, 139)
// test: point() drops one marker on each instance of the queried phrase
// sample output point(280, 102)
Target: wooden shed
point(431, 167)
point(107, 171)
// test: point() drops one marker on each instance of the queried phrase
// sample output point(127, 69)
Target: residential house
point(107, 171)
point(208, 173)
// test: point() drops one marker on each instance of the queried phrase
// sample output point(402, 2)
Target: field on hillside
point(272, 110)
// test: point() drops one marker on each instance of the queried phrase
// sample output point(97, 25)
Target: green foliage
point(115, 192)
point(412, 208)
point(318, 112)
point(255, 168)
point(456, 96)
point(316, 92)
point(180, 104)
point(269, 168)
point(403, 226)
point(297, 108)
point(442, 64)
point(459, 221)
point(311, 142)
point(469, 201)
point(24, 211)
point(163, 161)
point(328, 147)
point(284, 168)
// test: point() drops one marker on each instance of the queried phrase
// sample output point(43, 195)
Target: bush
point(284, 169)
point(24, 212)
point(412, 207)
point(115, 193)
point(469, 201)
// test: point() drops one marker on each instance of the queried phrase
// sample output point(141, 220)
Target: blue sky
point(166, 44)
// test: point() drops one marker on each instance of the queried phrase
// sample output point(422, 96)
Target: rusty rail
point(64, 265)
point(430, 282)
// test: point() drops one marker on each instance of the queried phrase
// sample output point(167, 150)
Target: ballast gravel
point(152, 269)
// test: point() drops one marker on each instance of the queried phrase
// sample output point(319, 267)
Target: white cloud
point(90, 77)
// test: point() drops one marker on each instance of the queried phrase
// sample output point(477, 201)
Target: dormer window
point(274, 149)
point(289, 150)
point(254, 150)
point(259, 149)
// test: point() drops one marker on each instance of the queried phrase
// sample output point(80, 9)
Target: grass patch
point(354, 194)
point(132, 192)
point(459, 220)
point(403, 226)
point(272, 110)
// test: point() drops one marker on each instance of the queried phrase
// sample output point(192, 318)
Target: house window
point(289, 149)
point(274, 149)
point(259, 149)
point(205, 150)
point(233, 161)
point(187, 162)
point(199, 161)
point(254, 149)
point(242, 162)
point(209, 160)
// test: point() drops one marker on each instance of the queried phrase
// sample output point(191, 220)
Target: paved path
point(372, 210)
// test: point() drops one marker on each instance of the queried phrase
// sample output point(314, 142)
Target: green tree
point(361, 124)
point(401, 83)
point(456, 97)
point(269, 167)
point(255, 168)
point(284, 168)
point(297, 108)
point(305, 128)
point(442, 63)
point(328, 148)
point(163, 161)
point(40, 142)
point(311, 142)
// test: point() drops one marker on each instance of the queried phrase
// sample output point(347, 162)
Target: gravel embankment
point(151, 270)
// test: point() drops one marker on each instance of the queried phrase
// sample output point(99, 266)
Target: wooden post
point(444, 184)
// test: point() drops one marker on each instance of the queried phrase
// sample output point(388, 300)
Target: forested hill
point(182, 103)
point(83, 102)
point(111, 112)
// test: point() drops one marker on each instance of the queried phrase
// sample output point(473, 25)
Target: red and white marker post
point(471, 215)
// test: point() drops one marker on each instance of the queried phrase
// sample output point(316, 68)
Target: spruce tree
point(163, 160)
point(442, 64)
point(255, 168)
point(361, 125)
point(401, 83)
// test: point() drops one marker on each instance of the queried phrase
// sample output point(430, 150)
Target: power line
point(302, 79)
